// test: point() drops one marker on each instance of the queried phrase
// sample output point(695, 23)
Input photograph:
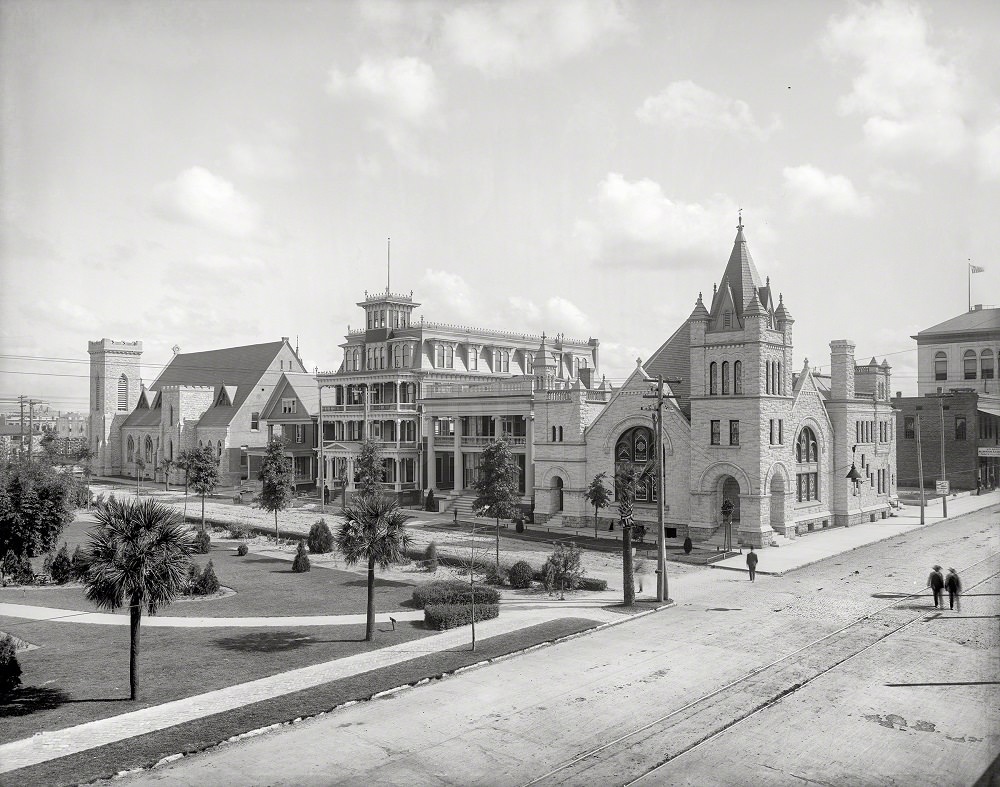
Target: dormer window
point(727, 319)
point(288, 406)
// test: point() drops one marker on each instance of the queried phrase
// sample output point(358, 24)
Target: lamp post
point(727, 517)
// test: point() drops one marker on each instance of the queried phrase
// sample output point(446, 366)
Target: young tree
point(627, 481)
point(203, 475)
point(370, 469)
point(140, 465)
point(166, 466)
point(35, 506)
point(184, 463)
point(598, 495)
point(496, 487)
point(277, 481)
point(139, 555)
point(373, 531)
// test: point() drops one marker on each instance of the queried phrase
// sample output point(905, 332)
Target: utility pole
point(662, 586)
point(944, 475)
point(920, 470)
point(20, 400)
point(322, 456)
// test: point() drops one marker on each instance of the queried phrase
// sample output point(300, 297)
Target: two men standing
point(937, 583)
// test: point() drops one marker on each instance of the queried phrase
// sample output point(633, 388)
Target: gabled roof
point(300, 384)
point(672, 360)
point(740, 277)
point(233, 365)
point(143, 416)
point(979, 321)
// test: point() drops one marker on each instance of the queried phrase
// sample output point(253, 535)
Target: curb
point(382, 693)
point(913, 529)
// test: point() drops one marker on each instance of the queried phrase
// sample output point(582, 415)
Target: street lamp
point(727, 517)
point(853, 474)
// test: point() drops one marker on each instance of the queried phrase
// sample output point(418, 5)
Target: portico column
point(350, 473)
point(431, 457)
point(459, 467)
point(529, 455)
point(397, 434)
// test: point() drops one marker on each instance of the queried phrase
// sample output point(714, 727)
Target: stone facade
point(115, 383)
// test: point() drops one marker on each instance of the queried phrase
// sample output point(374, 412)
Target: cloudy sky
point(218, 173)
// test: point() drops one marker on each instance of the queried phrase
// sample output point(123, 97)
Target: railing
point(598, 396)
point(444, 439)
point(558, 396)
point(394, 406)
point(481, 441)
point(343, 408)
point(555, 341)
point(478, 389)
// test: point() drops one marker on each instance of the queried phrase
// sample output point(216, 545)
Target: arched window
point(738, 377)
point(807, 458)
point(725, 377)
point(439, 356)
point(968, 366)
point(635, 447)
point(449, 357)
point(170, 449)
point(505, 360)
point(986, 365)
point(529, 363)
point(779, 380)
point(397, 356)
point(713, 379)
point(553, 434)
point(148, 446)
point(131, 449)
point(123, 393)
point(220, 450)
point(767, 377)
point(357, 360)
point(406, 355)
point(941, 365)
point(560, 434)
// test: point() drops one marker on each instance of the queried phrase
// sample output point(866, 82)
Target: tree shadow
point(30, 699)
point(891, 595)
point(266, 642)
point(379, 583)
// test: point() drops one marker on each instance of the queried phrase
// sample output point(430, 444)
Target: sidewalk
point(808, 549)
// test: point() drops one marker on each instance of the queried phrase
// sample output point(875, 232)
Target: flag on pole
point(976, 268)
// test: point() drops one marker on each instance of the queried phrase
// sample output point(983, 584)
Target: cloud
point(636, 224)
point(499, 39)
point(808, 185)
point(913, 96)
point(403, 87)
point(450, 296)
point(894, 181)
point(198, 197)
point(687, 105)
point(988, 154)
point(556, 315)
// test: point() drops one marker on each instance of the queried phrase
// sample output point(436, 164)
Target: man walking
point(936, 583)
point(954, 587)
point(752, 563)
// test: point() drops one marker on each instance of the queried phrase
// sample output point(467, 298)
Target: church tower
point(544, 368)
point(741, 390)
point(115, 384)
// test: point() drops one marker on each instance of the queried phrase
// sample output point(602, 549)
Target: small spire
point(740, 225)
point(638, 361)
point(768, 281)
point(781, 298)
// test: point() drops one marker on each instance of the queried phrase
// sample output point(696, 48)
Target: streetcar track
point(594, 752)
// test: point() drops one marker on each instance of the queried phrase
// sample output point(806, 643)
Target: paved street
point(520, 719)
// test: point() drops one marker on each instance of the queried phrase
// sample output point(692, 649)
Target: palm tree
point(166, 466)
point(139, 555)
point(627, 479)
point(373, 531)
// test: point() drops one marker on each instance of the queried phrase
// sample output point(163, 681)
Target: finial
point(699, 297)
point(543, 336)
point(768, 281)
point(715, 291)
point(781, 298)
point(638, 361)
point(740, 225)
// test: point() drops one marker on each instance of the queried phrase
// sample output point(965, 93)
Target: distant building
point(291, 415)
point(958, 387)
point(210, 399)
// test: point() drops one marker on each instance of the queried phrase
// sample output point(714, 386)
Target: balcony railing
point(492, 388)
point(394, 407)
point(481, 441)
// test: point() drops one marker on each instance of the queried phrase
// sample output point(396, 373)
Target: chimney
point(842, 369)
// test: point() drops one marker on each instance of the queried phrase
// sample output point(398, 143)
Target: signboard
point(942, 487)
point(991, 450)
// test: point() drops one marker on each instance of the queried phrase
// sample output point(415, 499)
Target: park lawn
point(146, 750)
point(265, 586)
point(79, 672)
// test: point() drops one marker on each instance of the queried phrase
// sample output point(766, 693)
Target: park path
point(50, 745)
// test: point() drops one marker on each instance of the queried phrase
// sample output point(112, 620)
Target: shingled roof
point(978, 321)
point(673, 360)
point(740, 277)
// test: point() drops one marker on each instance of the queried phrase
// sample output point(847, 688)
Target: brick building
point(741, 426)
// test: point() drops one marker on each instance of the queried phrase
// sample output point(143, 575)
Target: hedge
point(449, 616)
point(452, 591)
point(591, 583)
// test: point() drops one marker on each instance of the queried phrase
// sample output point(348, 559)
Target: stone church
point(742, 424)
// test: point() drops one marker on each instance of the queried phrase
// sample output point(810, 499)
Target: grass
point(264, 586)
point(194, 736)
point(79, 672)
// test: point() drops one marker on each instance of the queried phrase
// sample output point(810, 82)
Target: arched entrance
point(557, 494)
point(777, 503)
point(729, 490)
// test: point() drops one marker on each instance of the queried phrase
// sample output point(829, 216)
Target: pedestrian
point(954, 586)
point(936, 583)
point(752, 563)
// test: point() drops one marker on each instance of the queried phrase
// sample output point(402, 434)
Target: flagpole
point(968, 270)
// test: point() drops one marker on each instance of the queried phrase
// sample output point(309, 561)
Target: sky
point(212, 174)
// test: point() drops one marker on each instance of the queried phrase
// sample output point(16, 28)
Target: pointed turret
point(740, 277)
point(781, 314)
point(700, 312)
point(544, 367)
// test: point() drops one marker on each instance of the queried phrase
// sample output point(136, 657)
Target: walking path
point(808, 549)
point(58, 743)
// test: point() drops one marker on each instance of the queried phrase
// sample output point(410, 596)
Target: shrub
point(241, 550)
point(688, 546)
point(62, 568)
point(207, 583)
point(80, 564)
point(431, 557)
point(301, 563)
point(562, 569)
point(448, 616)
point(10, 670)
point(17, 570)
point(498, 575)
point(320, 538)
point(431, 505)
point(521, 575)
point(452, 591)
point(240, 530)
point(99, 500)
point(591, 583)
point(47, 564)
point(202, 542)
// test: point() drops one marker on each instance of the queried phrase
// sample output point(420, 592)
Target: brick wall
point(961, 456)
